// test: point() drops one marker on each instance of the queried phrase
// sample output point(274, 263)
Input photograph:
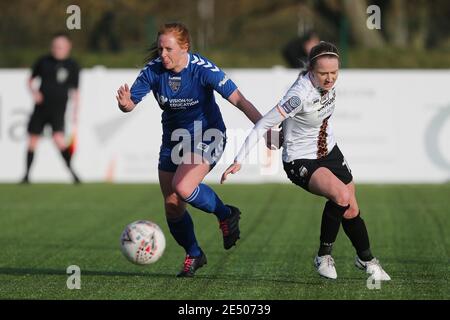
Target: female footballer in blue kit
point(183, 85)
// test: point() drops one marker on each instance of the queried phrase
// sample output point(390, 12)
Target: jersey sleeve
point(270, 119)
point(74, 75)
point(36, 68)
point(292, 102)
point(215, 78)
point(142, 85)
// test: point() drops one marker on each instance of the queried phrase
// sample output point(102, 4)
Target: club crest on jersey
point(175, 83)
point(62, 74)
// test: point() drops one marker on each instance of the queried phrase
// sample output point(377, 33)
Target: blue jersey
point(186, 96)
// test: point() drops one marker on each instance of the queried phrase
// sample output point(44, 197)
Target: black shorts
point(300, 171)
point(43, 115)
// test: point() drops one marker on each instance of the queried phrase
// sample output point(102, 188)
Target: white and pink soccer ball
point(142, 242)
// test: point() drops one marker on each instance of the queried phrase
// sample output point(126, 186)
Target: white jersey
point(305, 114)
point(307, 130)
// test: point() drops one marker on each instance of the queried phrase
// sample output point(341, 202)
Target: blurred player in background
point(313, 161)
point(183, 84)
point(296, 51)
point(59, 75)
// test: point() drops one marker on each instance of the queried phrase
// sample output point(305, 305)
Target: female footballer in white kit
point(313, 161)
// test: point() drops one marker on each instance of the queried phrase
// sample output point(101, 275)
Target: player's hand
point(38, 97)
point(124, 99)
point(274, 139)
point(280, 138)
point(235, 167)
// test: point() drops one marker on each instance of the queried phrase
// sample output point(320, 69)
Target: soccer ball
point(142, 242)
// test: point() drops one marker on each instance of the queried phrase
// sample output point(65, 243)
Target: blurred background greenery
point(232, 33)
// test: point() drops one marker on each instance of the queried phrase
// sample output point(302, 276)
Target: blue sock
point(204, 198)
point(183, 231)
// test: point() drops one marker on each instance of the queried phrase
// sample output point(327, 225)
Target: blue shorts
point(170, 155)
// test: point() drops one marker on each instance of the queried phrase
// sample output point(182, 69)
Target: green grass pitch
point(45, 228)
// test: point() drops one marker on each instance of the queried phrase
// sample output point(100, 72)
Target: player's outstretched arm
point(238, 100)
point(235, 167)
point(124, 99)
point(270, 119)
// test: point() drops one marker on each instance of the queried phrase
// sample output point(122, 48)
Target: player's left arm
point(273, 137)
point(74, 92)
point(240, 102)
point(75, 99)
point(219, 81)
point(270, 119)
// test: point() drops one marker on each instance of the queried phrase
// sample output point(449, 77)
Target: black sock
point(331, 221)
point(30, 157)
point(66, 156)
point(356, 231)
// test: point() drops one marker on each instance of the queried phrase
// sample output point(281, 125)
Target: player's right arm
point(129, 98)
point(288, 107)
point(37, 95)
point(124, 99)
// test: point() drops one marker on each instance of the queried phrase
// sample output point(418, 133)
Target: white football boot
point(325, 266)
point(372, 267)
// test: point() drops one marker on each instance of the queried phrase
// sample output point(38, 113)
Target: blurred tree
point(205, 29)
point(105, 29)
point(240, 30)
point(396, 23)
point(419, 34)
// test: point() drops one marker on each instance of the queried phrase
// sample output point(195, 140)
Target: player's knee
point(59, 140)
point(351, 212)
point(183, 190)
point(32, 146)
point(342, 197)
point(32, 143)
point(174, 207)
